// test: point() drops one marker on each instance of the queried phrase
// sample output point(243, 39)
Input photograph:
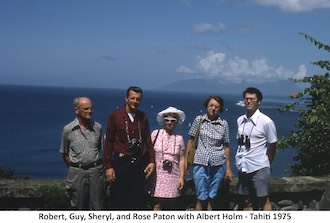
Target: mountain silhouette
point(276, 88)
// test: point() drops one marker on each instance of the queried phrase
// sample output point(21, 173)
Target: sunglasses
point(173, 120)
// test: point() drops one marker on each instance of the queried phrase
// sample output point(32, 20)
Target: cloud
point(208, 27)
point(160, 51)
point(295, 5)
point(108, 58)
point(186, 2)
point(216, 66)
point(221, 28)
point(184, 69)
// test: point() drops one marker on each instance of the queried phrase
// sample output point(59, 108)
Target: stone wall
point(286, 193)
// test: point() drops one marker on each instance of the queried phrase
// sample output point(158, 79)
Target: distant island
point(276, 88)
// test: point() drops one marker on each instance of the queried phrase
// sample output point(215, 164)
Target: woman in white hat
point(166, 185)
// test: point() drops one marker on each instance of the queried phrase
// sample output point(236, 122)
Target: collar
point(76, 125)
point(253, 118)
point(217, 120)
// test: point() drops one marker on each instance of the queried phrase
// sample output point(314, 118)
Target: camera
point(167, 165)
point(244, 140)
point(135, 144)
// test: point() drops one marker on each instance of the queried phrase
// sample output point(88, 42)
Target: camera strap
point(163, 146)
point(197, 132)
point(153, 143)
point(127, 132)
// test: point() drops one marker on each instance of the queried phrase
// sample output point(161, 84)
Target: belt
point(87, 166)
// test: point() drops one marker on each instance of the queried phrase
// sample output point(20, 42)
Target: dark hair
point(253, 90)
point(135, 89)
point(217, 98)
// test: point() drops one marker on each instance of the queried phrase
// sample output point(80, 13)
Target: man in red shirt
point(128, 153)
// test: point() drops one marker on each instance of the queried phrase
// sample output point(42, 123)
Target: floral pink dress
point(167, 147)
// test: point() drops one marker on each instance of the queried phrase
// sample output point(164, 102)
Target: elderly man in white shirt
point(256, 149)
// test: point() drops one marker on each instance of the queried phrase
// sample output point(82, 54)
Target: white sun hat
point(171, 110)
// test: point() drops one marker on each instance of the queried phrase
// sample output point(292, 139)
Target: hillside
point(278, 88)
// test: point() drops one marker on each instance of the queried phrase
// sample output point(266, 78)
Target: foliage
point(312, 137)
point(10, 174)
point(54, 197)
point(6, 173)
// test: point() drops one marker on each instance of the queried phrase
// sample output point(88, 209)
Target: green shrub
point(54, 197)
point(311, 138)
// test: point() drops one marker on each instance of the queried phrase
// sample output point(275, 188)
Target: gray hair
point(77, 100)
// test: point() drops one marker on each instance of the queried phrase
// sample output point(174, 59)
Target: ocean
point(33, 118)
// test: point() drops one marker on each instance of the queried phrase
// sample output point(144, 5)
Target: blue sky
point(151, 43)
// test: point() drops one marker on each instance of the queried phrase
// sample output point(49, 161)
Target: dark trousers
point(128, 190)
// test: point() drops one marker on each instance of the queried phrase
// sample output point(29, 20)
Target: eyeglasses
point(250, 99)
point(173, 120)
point(86, 108)
point(213, 106)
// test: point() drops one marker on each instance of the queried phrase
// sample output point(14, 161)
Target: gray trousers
point(86, 188)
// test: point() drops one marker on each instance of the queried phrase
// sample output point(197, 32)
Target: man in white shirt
point(256, 149)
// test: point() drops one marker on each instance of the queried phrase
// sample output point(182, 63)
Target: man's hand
point(110, 174)
point(229, 175)
point(149, 169)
